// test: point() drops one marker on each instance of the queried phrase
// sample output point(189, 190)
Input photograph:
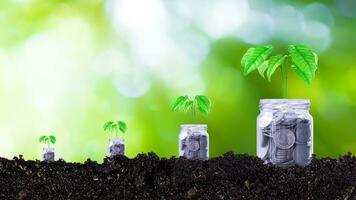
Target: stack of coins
point(288, 139)
point(48, 154)
point(116, 147)
point(195, 146)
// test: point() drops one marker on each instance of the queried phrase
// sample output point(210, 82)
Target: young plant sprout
point(300, 58)
point(116, 145)
point(48, 152)
point(193, 138)
point(185, 104)
point(284, 126)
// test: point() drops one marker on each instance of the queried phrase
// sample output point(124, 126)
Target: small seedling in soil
point(285, 128)
point(193, 138)
point(48, 152)
point(116, 145)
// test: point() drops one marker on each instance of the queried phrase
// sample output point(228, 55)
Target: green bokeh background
point(67, 66)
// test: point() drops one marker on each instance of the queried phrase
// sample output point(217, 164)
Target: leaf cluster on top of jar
point(47, 139)
point(304, 62)
point(185, 104)
point(113, 127)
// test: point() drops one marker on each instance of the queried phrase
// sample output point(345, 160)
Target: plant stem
point(284, 69)
point(193, 111)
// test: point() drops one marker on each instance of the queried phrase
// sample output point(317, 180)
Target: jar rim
point(193, 125)
point(297, 101)
point(282, 103)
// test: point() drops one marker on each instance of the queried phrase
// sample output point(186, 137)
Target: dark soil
point(149, 177)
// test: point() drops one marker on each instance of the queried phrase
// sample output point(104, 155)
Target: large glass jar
point(194, 141)
point(285, 132)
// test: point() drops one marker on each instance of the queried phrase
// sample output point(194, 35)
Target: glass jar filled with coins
point(285, 132)
point(194, 141)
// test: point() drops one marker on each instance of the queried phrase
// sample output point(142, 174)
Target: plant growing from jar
point(193, 138)
point(284, 126)
point(116, 144)
point(48, 151)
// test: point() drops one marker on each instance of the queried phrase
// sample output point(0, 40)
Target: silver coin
point(302, 154)
point(48, 156)
point(284, 138)
point(192, 145)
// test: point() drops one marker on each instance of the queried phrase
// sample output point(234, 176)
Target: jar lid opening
point(284, 103)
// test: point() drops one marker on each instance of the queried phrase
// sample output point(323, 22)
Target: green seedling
point(47, 140)
point(113, 127)
point(300, 58)
point(185, 104)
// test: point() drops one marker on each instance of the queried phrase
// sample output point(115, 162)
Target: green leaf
point(122, 126)
point(304, 62)
point(179, 102)
point(316, 58)
point(254, 57)
point(204, 104)
point(262, 68)
point(42, 138)
point(274, 63)
point(52, 139)
point(107, 125)
point(188, 105)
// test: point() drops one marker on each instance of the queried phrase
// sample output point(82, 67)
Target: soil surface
point(149, 177)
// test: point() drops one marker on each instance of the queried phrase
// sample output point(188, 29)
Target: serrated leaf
point(274, 63)
point(122, 126)
point(52, 139)
point(254, 57)
point(179, 102)
point(204, 104)
point(188, 105)
point(42, 138)
point(107, 125)
point(304, 62)
point(262, 68)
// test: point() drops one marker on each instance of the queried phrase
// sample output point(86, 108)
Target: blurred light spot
point(129, 79)
point(221, 18)
point(347, 7)
point(143, 24)
point(136, 14)
point(257, 29)
point(196, 47)
point(317, 35)
point(288, 23)
point(319, 12)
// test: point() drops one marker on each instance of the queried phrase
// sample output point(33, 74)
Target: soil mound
point(230, 176)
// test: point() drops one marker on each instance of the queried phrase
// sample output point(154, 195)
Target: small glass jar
point(48, 154)
point(116, 147)
point(194, 141)
point(285, 132)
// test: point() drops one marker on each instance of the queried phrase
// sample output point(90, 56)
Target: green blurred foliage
point(68, 96)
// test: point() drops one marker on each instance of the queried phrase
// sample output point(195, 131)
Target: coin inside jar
point(284, 138)
point(192, 144)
